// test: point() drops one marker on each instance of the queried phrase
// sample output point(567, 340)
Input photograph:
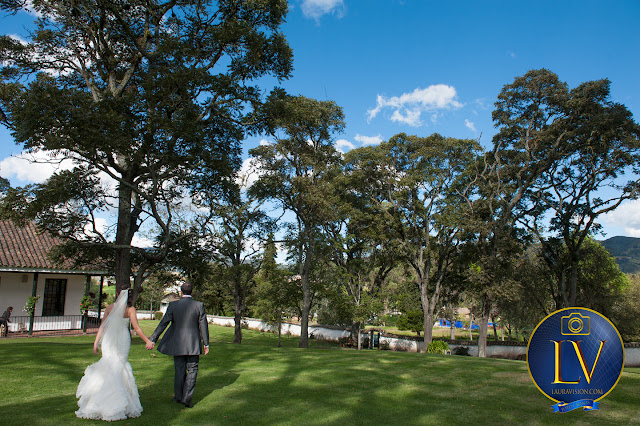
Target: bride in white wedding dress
point(108, 389)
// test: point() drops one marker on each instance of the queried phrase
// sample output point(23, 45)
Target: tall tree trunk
point(306, 299)
point(237, 318)
point(280, 329)
point(495, 331)
point(427, 310)
point(453, 332)
point(484, 321)
point(238, 301)
point(123, 238)
point(573, 283)
point(428, 329)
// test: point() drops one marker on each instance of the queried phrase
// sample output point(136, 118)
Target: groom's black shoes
point(177, 400)
point(188, 404)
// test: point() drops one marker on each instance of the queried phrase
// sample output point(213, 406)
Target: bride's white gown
point(108, 389)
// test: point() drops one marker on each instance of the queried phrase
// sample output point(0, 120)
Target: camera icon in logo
point(575, 324)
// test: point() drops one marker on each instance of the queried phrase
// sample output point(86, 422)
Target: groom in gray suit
point(188, 328)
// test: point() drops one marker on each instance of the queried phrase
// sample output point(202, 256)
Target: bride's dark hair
point(129, 298)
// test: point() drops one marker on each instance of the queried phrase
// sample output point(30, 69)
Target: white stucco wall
point(287, 328)
point(15, 290)
point(632, 357)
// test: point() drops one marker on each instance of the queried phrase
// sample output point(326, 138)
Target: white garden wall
point(632, 353)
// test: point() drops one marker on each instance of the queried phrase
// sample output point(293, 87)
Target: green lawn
point(258, 383)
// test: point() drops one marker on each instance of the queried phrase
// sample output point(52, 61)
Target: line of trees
point(152, 100)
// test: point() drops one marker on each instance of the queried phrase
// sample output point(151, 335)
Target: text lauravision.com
point(577, 392)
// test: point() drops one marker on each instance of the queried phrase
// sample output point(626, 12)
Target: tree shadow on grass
point(28, 404)
point(345, 387)
point(60, 358)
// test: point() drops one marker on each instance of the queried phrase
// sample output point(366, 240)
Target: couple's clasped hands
point(150, 345)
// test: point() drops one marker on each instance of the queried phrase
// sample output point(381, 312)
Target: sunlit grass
point(258, 383)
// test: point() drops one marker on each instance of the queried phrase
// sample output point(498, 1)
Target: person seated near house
point(4, 320)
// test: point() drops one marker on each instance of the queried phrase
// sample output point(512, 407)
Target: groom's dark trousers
point(189, 328)
point(184, 382)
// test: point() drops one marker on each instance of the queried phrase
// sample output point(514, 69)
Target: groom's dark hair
point(187, 288)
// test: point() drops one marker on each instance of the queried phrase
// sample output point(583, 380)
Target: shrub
point(437, 347)
point(384, 346)
point(158, 315)
point(461, 350)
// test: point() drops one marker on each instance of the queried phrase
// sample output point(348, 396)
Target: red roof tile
point(27, 247)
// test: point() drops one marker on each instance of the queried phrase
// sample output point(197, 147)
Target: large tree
point(277, 294)
point(417, 196)
point(297, 171)
point(237, 235)
point(597, 171)
point(153, 95)
point(525, 146)
point(361, 244)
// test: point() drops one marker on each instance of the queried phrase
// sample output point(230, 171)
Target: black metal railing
point(63, 324)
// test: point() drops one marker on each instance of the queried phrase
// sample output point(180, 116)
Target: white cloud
point(626, 217)
point(33, 167)
point(470, 125)
point(408, 107)
point(142, 242)
point(249, 173)
point(317, 8)
point(343, 145)
point(369, 140)
point(264, 142)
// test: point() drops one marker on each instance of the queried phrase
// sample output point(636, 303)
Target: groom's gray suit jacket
point(188, 327)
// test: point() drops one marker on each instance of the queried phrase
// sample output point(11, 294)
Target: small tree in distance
point(276, 293)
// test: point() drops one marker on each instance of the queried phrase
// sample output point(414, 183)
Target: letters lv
point(576, 346)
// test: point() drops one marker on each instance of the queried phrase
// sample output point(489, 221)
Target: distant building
point(26, 270)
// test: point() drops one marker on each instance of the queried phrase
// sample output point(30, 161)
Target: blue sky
point(421, 67)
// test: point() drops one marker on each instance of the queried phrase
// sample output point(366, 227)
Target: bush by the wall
point(461, 350)
point(158, 315)
point(437, 347)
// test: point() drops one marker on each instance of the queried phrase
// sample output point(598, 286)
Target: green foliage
point(625, 312)
point(159, 104)
point(297, 174)
point(30, 306)
point(437, 347)
point(336, 307)
point(277, 291)
point(157, 285)
point(110, 299)
point(461, 350)
point(626, 252)
point(86, 303)
point(412, 320)
point(157, 315)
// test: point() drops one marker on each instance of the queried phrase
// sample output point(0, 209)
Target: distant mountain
point(626, 252)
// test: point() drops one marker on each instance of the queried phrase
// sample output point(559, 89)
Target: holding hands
point(150, 345)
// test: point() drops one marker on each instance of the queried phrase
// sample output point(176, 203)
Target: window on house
point(54, 294)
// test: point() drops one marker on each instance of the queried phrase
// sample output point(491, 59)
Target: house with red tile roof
point(26, 269)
